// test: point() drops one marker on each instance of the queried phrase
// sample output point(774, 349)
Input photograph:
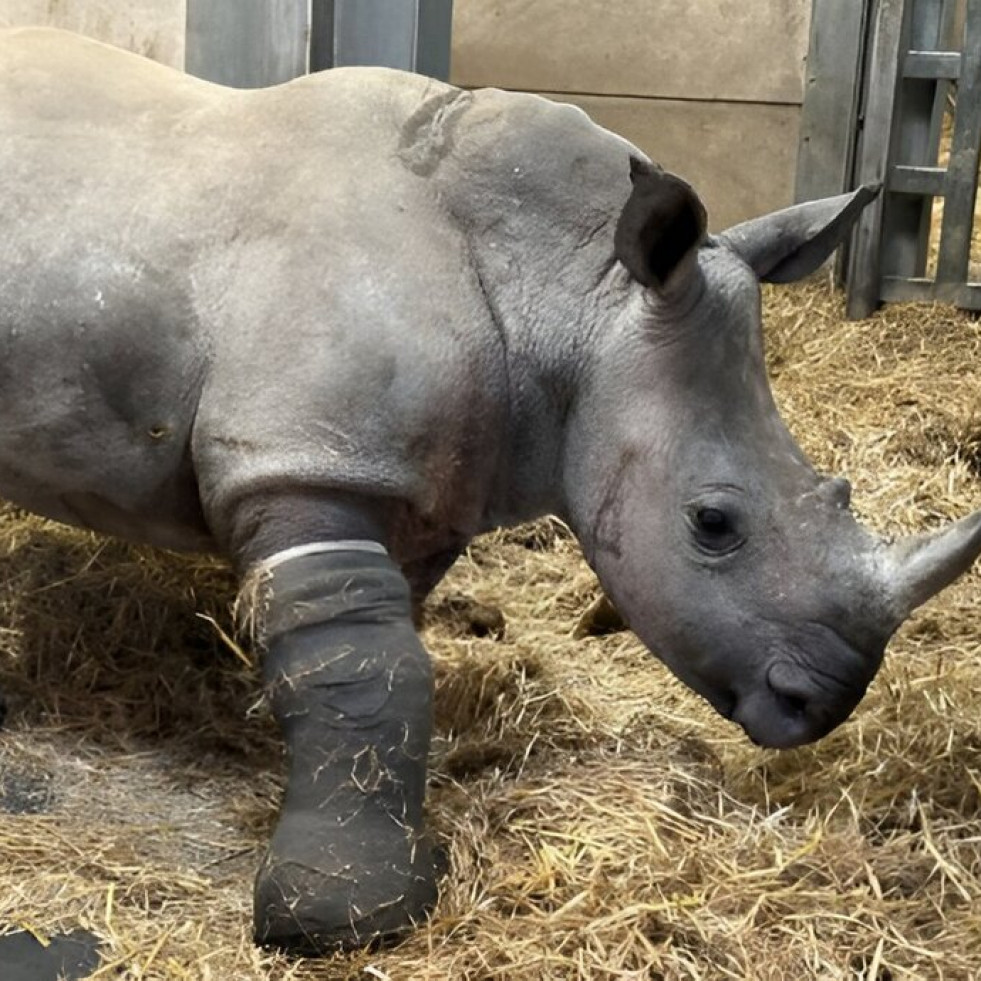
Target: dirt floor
point(601, 821)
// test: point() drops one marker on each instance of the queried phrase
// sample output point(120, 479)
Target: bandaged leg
point(351, 687)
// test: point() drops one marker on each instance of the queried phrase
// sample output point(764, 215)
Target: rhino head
point(737, 563)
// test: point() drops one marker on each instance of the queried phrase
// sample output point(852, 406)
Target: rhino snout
point(794, 704)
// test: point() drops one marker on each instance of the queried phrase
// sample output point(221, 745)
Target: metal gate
point(254, 43)
point(911, 122)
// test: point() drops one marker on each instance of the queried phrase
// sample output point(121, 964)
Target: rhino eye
point(714, 530)
point(712, 521)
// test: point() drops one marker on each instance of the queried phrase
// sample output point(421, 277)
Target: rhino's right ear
point(661, 226)
point(791, 244)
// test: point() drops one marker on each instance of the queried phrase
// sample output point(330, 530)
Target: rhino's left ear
point(791, 244)
point(660, 228)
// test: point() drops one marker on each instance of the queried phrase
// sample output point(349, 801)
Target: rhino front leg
point(351, 687)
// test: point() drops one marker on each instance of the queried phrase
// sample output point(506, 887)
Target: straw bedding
point(600, 821)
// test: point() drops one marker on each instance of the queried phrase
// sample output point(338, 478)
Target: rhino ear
point(791, 244)
point(661, 225)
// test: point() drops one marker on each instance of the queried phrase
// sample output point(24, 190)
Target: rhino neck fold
point(547, 322)
point(535, 189)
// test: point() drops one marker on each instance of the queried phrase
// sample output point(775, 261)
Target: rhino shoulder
point(493, 129)
point(503, 152)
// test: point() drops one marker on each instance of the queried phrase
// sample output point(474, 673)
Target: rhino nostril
point(794, 705)
point(789, 689)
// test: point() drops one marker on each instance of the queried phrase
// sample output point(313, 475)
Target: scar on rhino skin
point(427, 136)
point(608, 515)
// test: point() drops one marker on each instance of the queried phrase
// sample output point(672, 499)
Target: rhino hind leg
point(424, 575)
point(351, 686)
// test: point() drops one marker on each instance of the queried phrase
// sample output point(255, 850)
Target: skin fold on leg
point(351, 687)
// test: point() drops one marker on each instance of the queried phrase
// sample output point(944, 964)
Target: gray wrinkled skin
point(696, 424)
point(365, 303)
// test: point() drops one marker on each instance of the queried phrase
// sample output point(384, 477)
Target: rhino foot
point(356, 892)
point(351, 687)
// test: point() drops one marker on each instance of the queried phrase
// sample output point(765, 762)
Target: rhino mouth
point(800, 699)
point(805, 687)
point(724, 703)
point(806, 683)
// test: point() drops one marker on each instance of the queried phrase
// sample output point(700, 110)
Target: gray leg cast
point(351, 687)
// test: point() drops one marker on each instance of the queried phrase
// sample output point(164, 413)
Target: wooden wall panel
point(734, 50)
point(740, 158)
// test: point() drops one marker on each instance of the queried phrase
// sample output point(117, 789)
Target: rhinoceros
point(334, 329)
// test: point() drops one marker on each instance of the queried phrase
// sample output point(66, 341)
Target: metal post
point(916, 138)
point(831, 95)
point(962, 172)
point(247, 43)
point(413, 35)
point(889, 39)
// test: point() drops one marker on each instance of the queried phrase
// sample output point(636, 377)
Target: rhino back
point(207, 293)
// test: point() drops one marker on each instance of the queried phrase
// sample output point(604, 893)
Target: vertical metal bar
point(842, 262)
point(831, 95)
point(435, 27)
point(962, 171)
point(413, 35)
point(247, 43)
point(321, 35)
point(375, 32)
point(951, 27)
point(864, 270)
point(947, 41)
point(906, 218)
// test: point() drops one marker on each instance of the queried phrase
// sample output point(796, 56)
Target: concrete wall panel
point(740, 158)
point(154, 28)
point(737, 50)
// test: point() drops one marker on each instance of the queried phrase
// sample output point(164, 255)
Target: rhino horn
point(918, 568)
